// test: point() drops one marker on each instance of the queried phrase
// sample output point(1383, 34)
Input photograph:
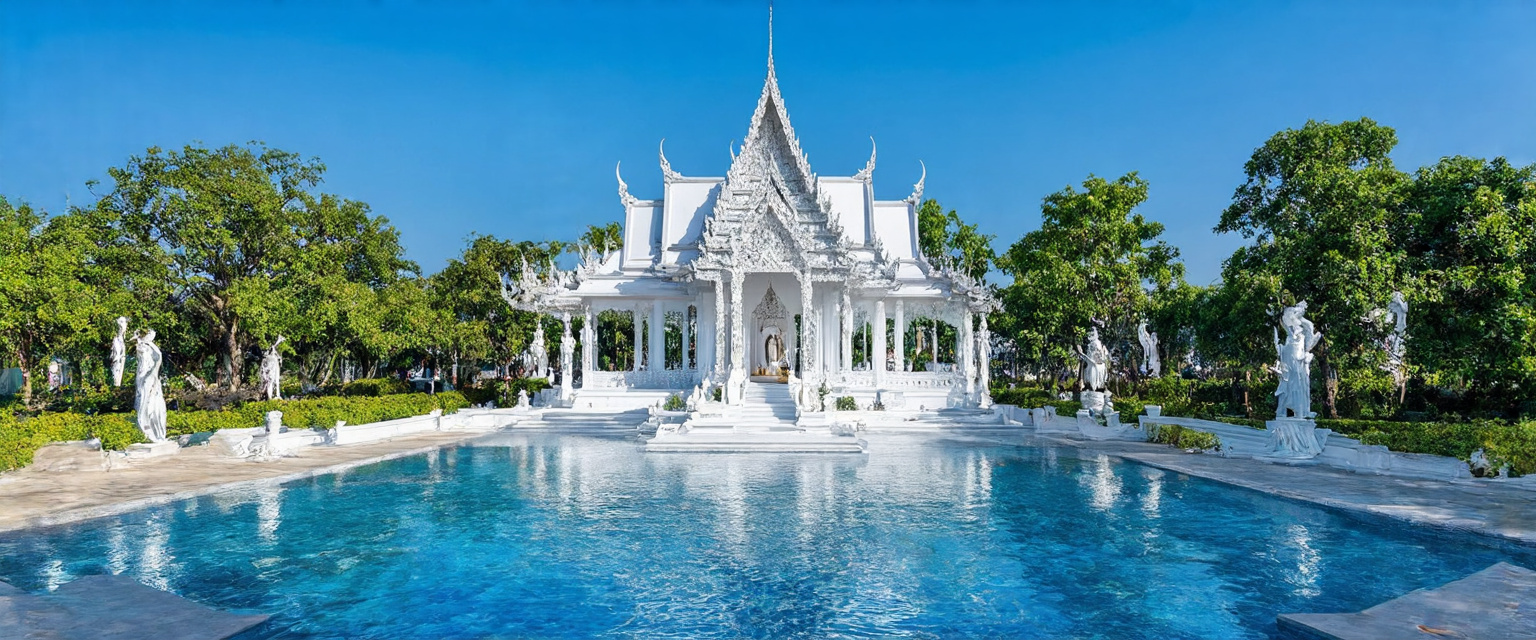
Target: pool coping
point(80, 514)
point(1412, 504)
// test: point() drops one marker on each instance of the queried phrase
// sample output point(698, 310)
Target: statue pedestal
point(1294, 439)
point(152, 450)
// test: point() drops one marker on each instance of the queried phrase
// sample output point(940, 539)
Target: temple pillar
point(963, 360)
point(933, 345)
point(900, 337)
point(567, 349)
point(658, 330)
point(877, 359)
point(738, 380)
point(845, 360)
point(687, 337)
point(984, 362)
point(588, 344)
point(639, 357)
point(808, 325)
point(738, 335)
point(720, 343)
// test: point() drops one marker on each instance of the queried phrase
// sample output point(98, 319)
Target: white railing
point(902, 379)
point(668, 379)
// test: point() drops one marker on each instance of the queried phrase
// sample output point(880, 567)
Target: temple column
point(738, 342)
point(900, 337)
point(877, 361)
point(658, 331)
point(567, 349)
point(639, 357)
point(933, 345)
point(687, 337)
point(738, 336)
point(588, 344)
point(808, 324)
point(720, 343)
point(845, 359)
point(984, 362)
point(963, 359)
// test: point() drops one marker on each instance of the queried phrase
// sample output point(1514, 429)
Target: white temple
point(759, 282)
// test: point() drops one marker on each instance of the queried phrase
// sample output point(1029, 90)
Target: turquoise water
point(570, 537)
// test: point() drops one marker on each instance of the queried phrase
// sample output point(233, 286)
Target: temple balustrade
point(665, 379)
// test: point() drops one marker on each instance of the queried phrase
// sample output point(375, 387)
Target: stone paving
point(1502, 510)
point(33, 498)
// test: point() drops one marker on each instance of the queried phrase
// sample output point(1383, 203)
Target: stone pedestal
point(152, 450)
point(1295, 438)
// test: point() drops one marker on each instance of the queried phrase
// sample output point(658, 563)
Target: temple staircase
point(765, 421)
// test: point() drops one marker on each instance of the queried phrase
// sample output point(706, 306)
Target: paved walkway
point(31, 498)
point(1486, 507)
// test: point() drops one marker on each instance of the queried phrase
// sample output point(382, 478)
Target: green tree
point(1317, 206)
point(947, 241)
point(599, 237)
point(44, 303)
point(1469, 232)
point(469, 289)
point(1092, 260)
point(245, 245)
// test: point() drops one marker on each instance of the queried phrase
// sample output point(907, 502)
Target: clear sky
point(507, 119)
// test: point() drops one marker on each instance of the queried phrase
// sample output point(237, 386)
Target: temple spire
point(770, 36)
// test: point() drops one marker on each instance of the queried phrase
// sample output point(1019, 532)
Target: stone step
point(1497, 602)
point(114, 608)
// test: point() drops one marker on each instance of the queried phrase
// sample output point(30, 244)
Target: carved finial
point(869, 167)
point(917, 189)
point(624, 196)
point(732, 148)
point(770, 35)
point(667, 174)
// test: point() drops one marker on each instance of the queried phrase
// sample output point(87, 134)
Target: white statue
point(274, 423)
point(1396, 344)
point(119, 351)
point(149, 400)
point(1152, 365)
point(1095, 361)
point(522, 399)
point(539, 352)
point(1294, 392)
point(271, 372)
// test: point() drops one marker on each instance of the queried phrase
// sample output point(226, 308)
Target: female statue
point(149, 401)
point(119, 352)
point(271, 372)
point(1294, 392)
point(1152, 365)
point(1095, 361)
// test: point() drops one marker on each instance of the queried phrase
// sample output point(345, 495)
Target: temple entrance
point(771, 335)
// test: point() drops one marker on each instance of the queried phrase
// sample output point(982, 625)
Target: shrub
point(374, 387)
point(675, 402)
point(1029, 397)
point(846, 403)
point(1182, 437)
point(22, 437)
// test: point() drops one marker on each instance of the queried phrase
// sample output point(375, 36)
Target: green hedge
point(20, 437)
point(1182, 437)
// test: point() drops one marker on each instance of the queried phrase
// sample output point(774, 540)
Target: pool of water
point(571, 537)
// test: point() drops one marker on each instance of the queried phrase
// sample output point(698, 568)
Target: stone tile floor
point(32, 498)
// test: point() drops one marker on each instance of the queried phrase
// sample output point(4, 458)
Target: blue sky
point(507, 119)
